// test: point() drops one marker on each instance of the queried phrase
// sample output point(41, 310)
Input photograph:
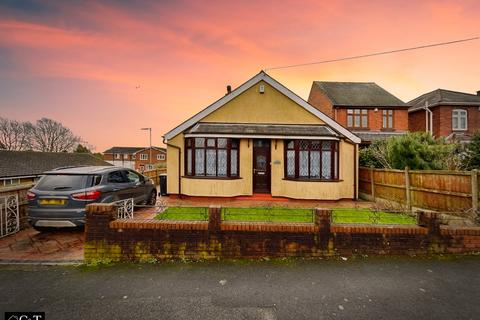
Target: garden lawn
point(268, 214)
point(370, 217)
point(184, 213)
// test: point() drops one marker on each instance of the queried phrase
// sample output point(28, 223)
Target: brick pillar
point(323, 218)
point(429, 220)
point(214, 218)
point(98, 216)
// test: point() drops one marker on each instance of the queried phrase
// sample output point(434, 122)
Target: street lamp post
point(150, 155)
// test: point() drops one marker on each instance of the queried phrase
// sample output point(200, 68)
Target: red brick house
point(444, 113)
point(137, 158)
point(365, 108)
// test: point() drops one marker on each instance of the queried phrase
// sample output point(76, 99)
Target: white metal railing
point(9, 215)
point(124, 208)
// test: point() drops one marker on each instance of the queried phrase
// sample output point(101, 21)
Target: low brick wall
point(147, 240)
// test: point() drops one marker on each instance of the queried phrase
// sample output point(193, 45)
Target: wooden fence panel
point(437, 190)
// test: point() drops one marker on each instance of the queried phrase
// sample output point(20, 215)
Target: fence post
point(372, 183)
point(407, 189)
point(214, 218)
point(475, 190)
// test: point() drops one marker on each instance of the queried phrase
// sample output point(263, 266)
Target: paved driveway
point(30, 245)
point(63, 245)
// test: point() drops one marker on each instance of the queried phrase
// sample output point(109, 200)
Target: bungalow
point(262, 138)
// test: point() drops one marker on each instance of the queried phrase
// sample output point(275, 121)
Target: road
point(372, 288)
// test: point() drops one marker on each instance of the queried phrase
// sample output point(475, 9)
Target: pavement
point(371, 288)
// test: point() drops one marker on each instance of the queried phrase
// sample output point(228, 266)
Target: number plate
point(50, 202)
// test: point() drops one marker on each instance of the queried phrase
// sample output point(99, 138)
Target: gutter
point(179, 165)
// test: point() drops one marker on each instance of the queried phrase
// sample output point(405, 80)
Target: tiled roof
point(444, 97)
point(262, 129)
point(124, 149)
point(374, 136)
point(29, 163)
point(130, 150)
point(358, 94)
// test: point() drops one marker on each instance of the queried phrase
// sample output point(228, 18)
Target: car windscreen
point(59, 182)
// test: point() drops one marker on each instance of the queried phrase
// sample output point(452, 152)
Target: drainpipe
point(179, 166)
point(428, 119)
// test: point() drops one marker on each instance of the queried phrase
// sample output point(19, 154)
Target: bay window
point(211, 157)
point(311, 159)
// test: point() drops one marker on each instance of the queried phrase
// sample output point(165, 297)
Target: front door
point(261, 166)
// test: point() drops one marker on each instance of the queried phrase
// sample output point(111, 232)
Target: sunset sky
point(106, 69)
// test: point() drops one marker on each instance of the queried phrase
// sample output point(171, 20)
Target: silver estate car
point(60, 196)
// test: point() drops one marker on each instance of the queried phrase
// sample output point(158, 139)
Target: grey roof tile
point(358, 94)
point(262, 129)
point(444, 97)
point(29, 163)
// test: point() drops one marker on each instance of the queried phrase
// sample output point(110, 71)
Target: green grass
point(354, 216)
point(267, 214)
point(184, 213)
point(366, 216)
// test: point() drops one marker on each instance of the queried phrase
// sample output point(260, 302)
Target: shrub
point(418, 151)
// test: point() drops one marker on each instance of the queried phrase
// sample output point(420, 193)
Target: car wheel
point(152, 200)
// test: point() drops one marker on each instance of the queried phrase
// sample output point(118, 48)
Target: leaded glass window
point(211, 157)
point(311, 159)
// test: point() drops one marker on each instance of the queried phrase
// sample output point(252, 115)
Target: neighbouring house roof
point(358, 94)
point(374, 136)
point(153, 148)
point(444, 97)
point(131, 150)
point(265, 130)
point(123, 149)
point(30, 163)
point(262, 76)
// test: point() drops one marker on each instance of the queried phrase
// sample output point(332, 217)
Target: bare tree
point(51, 136)
point(15, 135)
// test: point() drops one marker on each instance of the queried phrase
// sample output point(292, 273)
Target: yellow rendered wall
point(314, 190)
point(269, 107)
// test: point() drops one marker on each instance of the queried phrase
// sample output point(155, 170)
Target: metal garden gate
point(9, 215)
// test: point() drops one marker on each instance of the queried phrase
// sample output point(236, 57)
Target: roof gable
point(358, 94)
point(262, 76)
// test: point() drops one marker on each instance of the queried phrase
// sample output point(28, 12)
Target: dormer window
point(459, 119)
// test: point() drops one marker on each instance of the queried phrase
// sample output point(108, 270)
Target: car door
point(137, 183)
point(119, 184)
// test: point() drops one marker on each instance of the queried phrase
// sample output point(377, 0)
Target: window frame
point(460, 114)
point(144, 156)
point(160, 157)
point(388, 117)
point(215, 147)
point(360, 114)
point(334, 171)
